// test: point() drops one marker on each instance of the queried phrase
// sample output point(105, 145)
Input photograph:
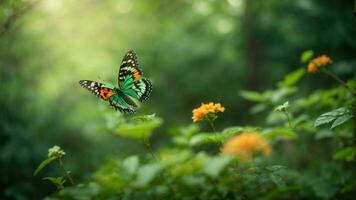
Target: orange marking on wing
point(106, 93)
point(136, 74)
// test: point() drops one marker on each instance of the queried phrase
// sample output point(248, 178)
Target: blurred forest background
point(193, 50)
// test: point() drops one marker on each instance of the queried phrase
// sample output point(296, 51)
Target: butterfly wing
point(140, 89)
point(130, 78)
point(107, 93)
point(129, 66)
point(117, 102)
point(143, 89)
point(93, 86)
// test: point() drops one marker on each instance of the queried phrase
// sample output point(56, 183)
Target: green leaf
point(194, 181)
point(202, 138)
point(186, 131)
point(57, 181)
point(342, 119)
point(292, 78)
point(216, 165)
point(347, 154)
point(130, 164)
point(252, 96)
point(145, 117)
point(280, 133)
point(324, 133)
point(43, 164)
point(278, 180)
point(230, 131)
point(306, 56)
point(276, 96)
point(258, 108)
point(147, 173)
point(340, 115)
point(211, 138)
point(139, 129)
point(274, 168)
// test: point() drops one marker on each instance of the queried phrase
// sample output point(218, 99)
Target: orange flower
point(318, 63)
point(246, 145)
point(205, 109)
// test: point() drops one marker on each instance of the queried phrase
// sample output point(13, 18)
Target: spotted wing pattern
point(93, 86)
point(118, 103)
point(131, 86)
point(143, 89)
point(130, 66)
point(107, 93)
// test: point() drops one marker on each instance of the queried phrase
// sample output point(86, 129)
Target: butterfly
point(131, 85)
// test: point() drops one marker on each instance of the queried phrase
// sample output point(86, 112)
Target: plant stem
point(334, 76)
point(149, 148)
point(288, 119)
point(211, 122)
point(65, 171)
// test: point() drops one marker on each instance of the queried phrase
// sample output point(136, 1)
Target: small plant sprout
point(284, 108)
point(208, 112)
point(55, 153)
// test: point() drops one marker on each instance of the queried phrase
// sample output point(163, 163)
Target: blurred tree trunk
point(252, 46)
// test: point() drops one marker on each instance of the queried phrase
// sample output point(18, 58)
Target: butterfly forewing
point(93, 86)
point(129, 66)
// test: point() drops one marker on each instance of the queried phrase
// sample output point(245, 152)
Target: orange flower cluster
point(318, 62)
point(246, 145)
point(205, 109)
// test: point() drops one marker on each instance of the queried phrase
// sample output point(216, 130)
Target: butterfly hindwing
point(117, 102)
point(129, 66)
point(140, 89)
point(143, 89)
point(107, 93)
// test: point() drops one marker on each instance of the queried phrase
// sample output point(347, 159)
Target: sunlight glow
point(53, 5)
point(202, 8)
point(224, 26)
point(124, 6)
point(235, 3)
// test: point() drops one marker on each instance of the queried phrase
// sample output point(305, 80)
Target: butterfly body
point(131, 85)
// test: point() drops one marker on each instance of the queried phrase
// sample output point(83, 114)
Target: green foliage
point(252, 96)
point(216, 165)
point(191, 136)
point(55, 153)
point(43, 165)
point(195, 176)
point(139, 127)
point(146, 174)
point(57, 181)
point(283, 108)
point(192, 169)
point(337, 116)
point(292, 78)
point(306, 56)
point(347, 154)
point(280, 134)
